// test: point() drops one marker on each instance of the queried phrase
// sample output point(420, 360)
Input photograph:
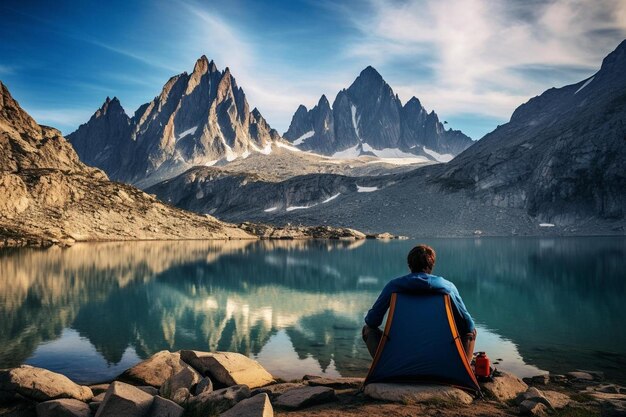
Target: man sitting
point(421, 260)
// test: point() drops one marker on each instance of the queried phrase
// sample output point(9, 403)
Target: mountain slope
point(47, 195)
point(198, 119)
point(557, 168)
point(368, 118)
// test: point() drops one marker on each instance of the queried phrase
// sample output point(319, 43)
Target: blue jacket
point(412, 283)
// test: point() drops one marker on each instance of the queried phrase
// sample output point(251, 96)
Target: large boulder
point(155, 370)
point(257, 406)
point(215, 402)
point(124, 400)
point(162, 407)
point(409, 393)
point(297, 398)
point(505, 386)
point(41, 385)
point(64, 407)
point(184, 380)
point(532, 408)
point(228, 368)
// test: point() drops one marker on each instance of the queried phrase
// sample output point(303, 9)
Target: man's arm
point(374, 317)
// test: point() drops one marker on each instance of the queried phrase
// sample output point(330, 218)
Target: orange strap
point(383, 340)
point(457, 340)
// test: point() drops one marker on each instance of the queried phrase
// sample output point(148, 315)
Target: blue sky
point(472, 61)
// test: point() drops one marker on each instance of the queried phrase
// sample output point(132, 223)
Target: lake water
point(93, 310)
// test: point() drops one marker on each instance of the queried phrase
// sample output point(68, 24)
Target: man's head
point(421, 259)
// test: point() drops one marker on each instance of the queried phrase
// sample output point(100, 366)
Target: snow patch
point(288, 147)
point(355, 121)
point(349, 153)
point(360, 189)
point(211, 163)
point(401, 161)
point(387, 152)
point(292, 208)
point(267, 149)
point(269, 210)
point(187, 132)
point(304, 137)
point(546, 225)
point(585, 84)
point(440, 157)
point(331, 198)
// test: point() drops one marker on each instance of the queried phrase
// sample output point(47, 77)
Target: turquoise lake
point(93, 310)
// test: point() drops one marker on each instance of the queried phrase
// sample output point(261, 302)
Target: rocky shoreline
point(193, 383)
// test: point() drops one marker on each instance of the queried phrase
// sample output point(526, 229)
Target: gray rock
point(534, 395)
point(613, 408)
point(162, 407)
point(155, 370)
point(180, 396)
point(540, 379)
point(228, 368)
point(149, 389)
point(529, 407)
point(337, 383)
point(297, 398)
point(99, 388)
point(275, 390)
point(124, 400)
point(558, 379)
point(64, 407)
point(505, 386)
point(220, 400)
point(185, 378)
point(557, 399)
point(597, 375)
point(205, 385)
point(580, 376)
point(41, 385)
point(608, 388)
point(256, 406)
point(404, 393)
point(93, 406)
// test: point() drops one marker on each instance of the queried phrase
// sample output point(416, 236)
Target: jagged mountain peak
point(616, 60)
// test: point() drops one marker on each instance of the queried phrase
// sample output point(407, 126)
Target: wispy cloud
point(480, 51)
point(62, 119)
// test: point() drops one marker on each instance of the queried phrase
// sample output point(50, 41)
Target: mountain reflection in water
point(92, 310)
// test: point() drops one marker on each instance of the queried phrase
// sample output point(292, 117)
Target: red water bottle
point(482, 368)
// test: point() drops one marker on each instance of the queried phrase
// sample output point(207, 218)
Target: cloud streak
point(480, 52)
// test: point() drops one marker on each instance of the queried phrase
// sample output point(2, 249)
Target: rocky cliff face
point(368, 118)
point(561, 156)
point(200, 118)
point(47, 195)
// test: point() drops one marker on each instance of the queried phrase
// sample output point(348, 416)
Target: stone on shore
point(155, 370)
point(534, 395)
point(218, 401)
point(41, 385)
point(336, 383)
point(407, 393)
point(297, 398)
point(528, 407)
point(124, 400)
point(64, 407)
point(504, 386)
point(162, 407)
point(99, 388)
point(228, 368)
point(557, 399)
point(580, 376)
point(205, 385)
point(184, 379)
point(257, 406)
point(275, 390)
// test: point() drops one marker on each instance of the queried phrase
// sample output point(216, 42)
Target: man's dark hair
point(421, 259)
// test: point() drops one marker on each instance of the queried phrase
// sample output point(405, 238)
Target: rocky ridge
point(48, 196)
point(202, 118)
point(369, 119)
point(190, 383)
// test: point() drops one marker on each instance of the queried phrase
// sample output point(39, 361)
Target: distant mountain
point(47, 195)
point(556, 168)
point(200, 118)
point(368, 118)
